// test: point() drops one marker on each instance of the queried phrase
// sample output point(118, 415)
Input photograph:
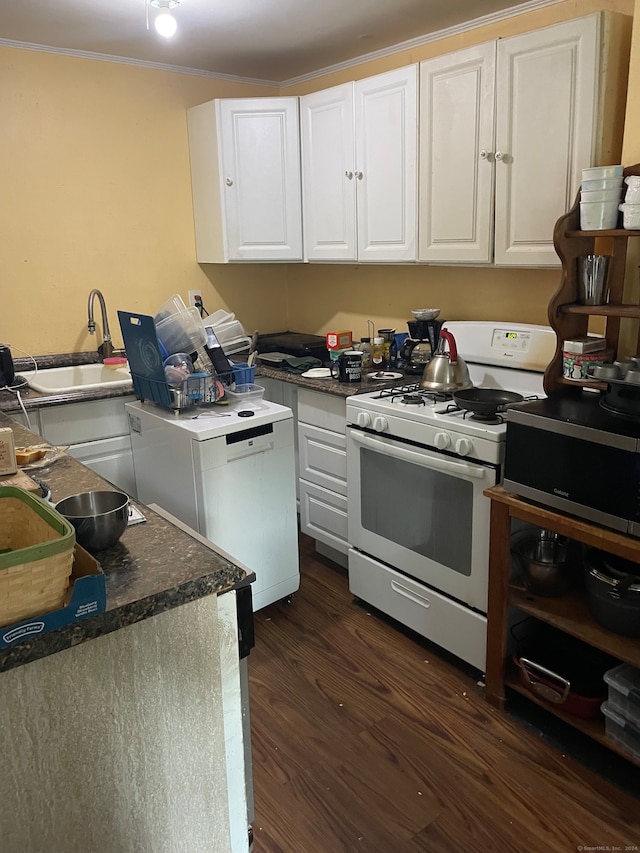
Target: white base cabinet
point(95, 432)
point(245, 179)
point(323, 468)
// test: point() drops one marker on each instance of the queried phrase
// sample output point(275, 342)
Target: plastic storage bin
point(182, 332)
point(623, 731)
point(36, 555)
point(624, 691)
point(245, 392)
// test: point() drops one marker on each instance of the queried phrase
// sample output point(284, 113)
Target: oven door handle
point(436, 463)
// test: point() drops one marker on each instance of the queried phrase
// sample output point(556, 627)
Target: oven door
point(421, 512)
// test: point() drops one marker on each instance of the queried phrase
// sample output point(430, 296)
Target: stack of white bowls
point(631, 207)
point(600, 197)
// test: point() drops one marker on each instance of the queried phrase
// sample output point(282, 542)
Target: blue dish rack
point(146, 357)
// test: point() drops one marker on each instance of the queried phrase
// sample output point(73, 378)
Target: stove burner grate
point(412, 394)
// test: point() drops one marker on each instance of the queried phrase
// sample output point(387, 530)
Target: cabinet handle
point(359, 175)
point(484, 154)
point(498, 155)
point(228, 182)
point(348, 174)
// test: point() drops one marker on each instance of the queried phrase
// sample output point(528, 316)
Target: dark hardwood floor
point(367, 738)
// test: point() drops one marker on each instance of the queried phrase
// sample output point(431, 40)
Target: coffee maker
point(420, 345)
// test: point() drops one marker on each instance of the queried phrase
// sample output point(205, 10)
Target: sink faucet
point(106, 347)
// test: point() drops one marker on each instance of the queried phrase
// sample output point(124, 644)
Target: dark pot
point(613, 592)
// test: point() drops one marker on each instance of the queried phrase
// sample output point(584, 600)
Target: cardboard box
point(87, 596)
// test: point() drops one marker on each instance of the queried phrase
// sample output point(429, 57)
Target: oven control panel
point(511, 340)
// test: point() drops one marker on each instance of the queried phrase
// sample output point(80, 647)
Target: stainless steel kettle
point(446, 371)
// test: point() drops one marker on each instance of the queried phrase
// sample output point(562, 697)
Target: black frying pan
point(485, 401)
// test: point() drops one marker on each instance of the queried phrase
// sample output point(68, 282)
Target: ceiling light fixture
point(165, 24)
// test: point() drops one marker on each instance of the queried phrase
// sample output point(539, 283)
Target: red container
point(560, 670)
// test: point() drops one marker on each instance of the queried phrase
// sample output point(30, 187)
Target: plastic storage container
point(624, 691)
point(182, 332)
point(623, 731)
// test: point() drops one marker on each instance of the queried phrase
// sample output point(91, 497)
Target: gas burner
point(413, 400)
point(495, 418)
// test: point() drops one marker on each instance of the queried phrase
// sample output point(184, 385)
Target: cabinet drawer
point(419, 607)
point(323, 457)
point(74, 423)
point(323, 410)
point(323, 515)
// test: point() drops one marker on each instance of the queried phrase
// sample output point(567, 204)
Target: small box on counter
point(339, 340)
point(87, 596)
point(576, 365)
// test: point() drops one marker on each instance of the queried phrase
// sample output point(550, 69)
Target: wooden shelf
point(611, 232)
point(631, 311)
point(571, 615)
point(595, 728)
point(578, 383)
point(568, 613)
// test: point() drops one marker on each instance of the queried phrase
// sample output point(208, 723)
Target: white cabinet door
point(505, 129)
point(457, 97)
point(359, 147)
point(328, 181)
point(245, 176)
point(386, 117)
point(547, 100)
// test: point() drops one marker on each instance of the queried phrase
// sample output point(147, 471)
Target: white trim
point(418, 41)
point(143, 63)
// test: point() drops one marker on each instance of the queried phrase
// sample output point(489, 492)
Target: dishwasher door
point(246, 504)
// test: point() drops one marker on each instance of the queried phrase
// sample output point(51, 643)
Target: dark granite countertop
point(329, 386)
point(154, 567)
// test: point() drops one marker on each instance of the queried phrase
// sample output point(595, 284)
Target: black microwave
point(568, 452)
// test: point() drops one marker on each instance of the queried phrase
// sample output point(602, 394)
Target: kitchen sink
point(79, 377)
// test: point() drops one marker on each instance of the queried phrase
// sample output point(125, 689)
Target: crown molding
point(418, 41)
point(142, 63)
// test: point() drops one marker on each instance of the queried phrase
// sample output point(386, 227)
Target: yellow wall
point(96, 193)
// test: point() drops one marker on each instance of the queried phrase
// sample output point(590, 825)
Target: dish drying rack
point(199, 389)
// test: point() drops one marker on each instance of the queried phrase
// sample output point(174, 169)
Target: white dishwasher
point(230, 474)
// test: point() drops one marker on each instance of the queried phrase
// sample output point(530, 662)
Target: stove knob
point(442, 440)
point(363, 419)
point(463, 446)
point(379, 423)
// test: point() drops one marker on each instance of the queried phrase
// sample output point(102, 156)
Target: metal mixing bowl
point(543, 558)
point(99, 518)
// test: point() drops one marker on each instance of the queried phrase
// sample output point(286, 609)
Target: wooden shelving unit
point(570, 319)
point(567, 613)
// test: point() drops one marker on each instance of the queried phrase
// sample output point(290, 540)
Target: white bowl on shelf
point(597, 172)
point(600, 216)
point(425, 313)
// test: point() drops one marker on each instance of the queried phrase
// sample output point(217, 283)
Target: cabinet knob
point(359, 176)
point(348, 174)
point(498, 155)
point(485, 155)
point(228, 182)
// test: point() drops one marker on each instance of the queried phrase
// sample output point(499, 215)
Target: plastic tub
point(598, 172)
point(182, 332)
point(600, 195)
point(601, 216)
point(602, 184)
point(630, 216)
point(620, 729)
point(249, 391)
point(624, 691)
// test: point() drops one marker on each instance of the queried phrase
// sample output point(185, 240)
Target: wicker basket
point(36, 556)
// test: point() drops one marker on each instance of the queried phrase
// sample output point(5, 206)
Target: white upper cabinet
point(245, 178)
point(359, 145)
point(508, 126)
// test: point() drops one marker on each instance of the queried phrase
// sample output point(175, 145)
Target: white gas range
point(417, 468)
